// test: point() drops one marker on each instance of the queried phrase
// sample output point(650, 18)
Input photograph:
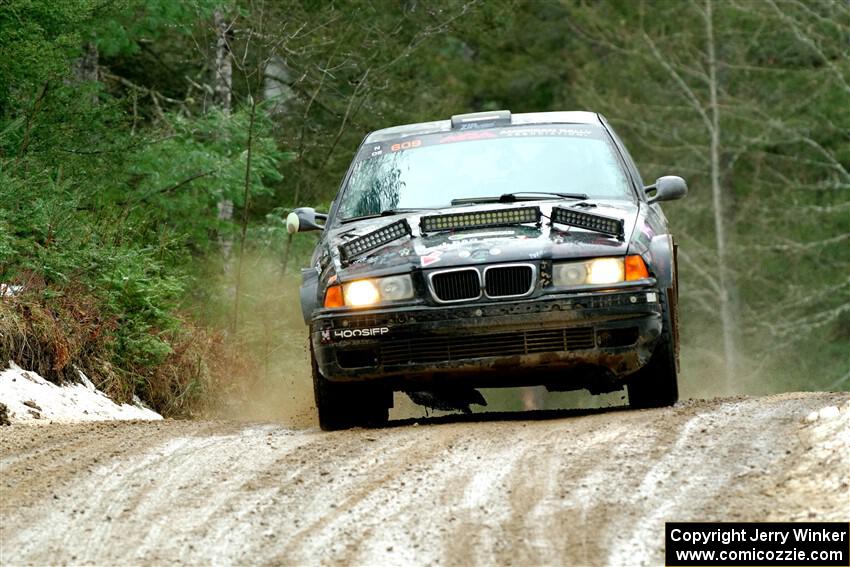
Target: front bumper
point(566, 341)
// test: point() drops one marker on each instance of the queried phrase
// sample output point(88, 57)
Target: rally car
point(491, 249)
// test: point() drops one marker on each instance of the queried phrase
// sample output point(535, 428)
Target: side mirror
point(303, 219)
point(667, 188)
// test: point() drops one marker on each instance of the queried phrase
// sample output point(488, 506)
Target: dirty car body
point(491, 250)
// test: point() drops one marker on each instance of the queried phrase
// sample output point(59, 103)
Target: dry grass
point(55, 332)
point(205, 370)
point(58, 332)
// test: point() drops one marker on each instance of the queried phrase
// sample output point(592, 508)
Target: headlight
point(395, 288)
point(361, 293)
point(605, 271)
point(599, 271)
point(573, 273)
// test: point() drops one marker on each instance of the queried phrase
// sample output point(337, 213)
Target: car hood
point(480, 245)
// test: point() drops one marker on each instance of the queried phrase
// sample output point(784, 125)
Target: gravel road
point(547, 488)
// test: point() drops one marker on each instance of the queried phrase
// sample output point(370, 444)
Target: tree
point(743, 99)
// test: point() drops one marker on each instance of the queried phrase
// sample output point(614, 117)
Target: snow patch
point(9, 290)
point(823, 414)
point(29, 398)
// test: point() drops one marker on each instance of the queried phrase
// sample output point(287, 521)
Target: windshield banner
point(377, 149)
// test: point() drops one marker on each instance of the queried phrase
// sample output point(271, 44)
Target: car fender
point(661, 258)
point(309, 293)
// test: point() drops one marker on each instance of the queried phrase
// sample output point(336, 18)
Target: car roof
point(561, 117)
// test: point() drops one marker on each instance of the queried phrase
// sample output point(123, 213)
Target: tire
point(657, 384)
point(347, 405)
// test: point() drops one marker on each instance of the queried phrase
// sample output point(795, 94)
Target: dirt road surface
point(545, 488)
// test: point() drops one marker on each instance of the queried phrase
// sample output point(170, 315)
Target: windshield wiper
point(520, 196)
point(384, 213)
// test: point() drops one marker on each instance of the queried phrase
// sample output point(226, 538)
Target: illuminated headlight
point(361, 293)
point(605, 271)
point(596, 271)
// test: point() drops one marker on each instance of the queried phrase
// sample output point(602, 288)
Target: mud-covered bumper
point(573, 341)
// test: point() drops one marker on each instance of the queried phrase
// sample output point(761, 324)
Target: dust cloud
point(274, 382)
point(270, 379)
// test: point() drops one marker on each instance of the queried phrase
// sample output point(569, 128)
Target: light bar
point(588, 221)
point(481, 120)
point(374, 239)
point(480, 219)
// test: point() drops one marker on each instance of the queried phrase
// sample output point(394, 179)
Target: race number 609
point(406, 145)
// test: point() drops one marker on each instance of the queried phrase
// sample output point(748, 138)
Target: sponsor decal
point(466, 136)
point(386, 255)
point(339, 334)
point(326, 336)
point(431, 258)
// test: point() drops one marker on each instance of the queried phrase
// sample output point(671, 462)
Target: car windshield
point(432, 170)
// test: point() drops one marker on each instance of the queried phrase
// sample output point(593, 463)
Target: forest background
point(151, 149)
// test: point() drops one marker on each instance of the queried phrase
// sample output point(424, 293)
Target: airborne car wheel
point(343, 406)
point(656, 384)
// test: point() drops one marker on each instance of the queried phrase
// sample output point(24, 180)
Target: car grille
point(456, 285)
point(447, 349)
point(508, 281)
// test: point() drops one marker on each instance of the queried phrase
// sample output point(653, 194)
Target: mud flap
point(673, 302)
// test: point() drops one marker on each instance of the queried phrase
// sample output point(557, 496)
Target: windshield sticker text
point(467, 136)
point(515, 132)
point(406, 145)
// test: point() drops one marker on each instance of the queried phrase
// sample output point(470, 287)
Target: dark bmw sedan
point(492, 249)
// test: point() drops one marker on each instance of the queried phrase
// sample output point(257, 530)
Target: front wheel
point(656, 384)
point(347, 405)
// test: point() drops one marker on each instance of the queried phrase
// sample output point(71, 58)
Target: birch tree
point(223, 91)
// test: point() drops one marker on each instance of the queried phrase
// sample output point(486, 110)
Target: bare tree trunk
point(223, 63)
point(85, 67)
point(727, 318)
point(276, 87)
point(223, 86)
